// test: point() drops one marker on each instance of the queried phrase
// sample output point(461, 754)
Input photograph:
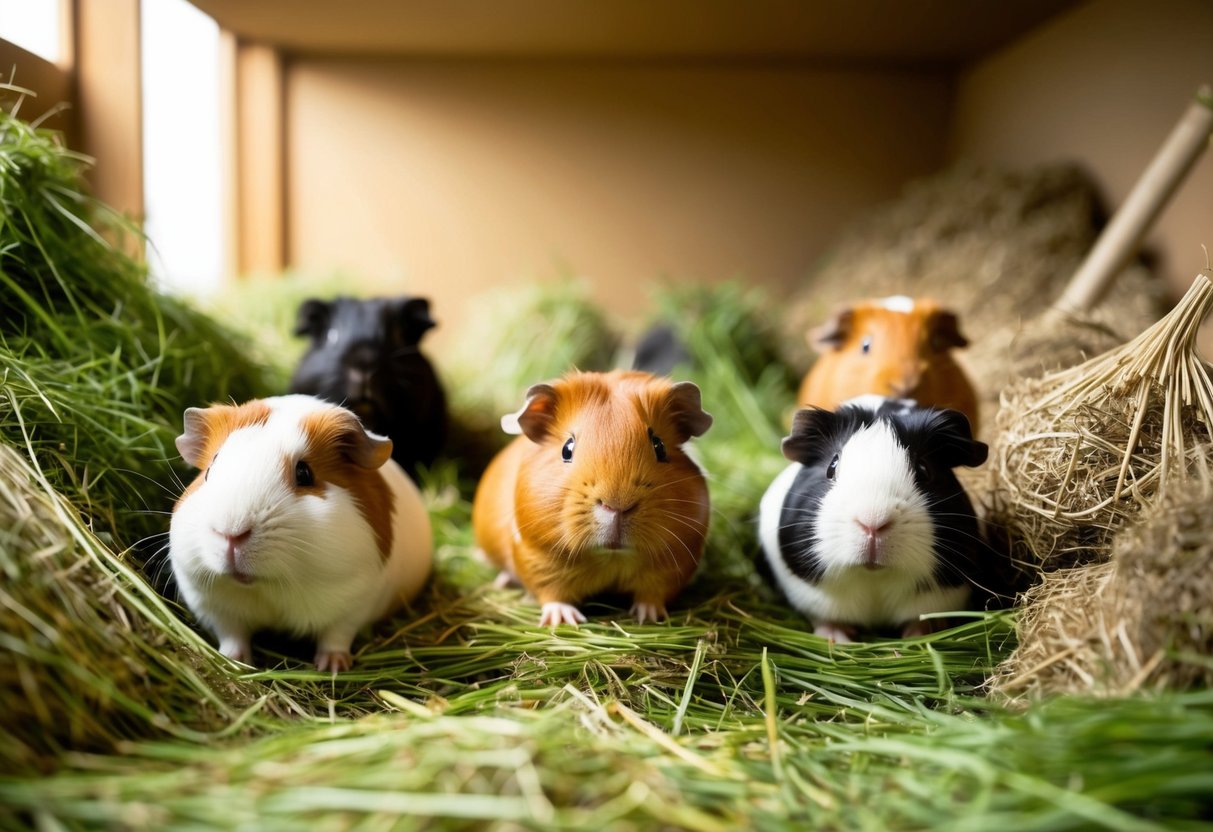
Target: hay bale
point(1082, 451)
point(1143, 620)
point(995, 245)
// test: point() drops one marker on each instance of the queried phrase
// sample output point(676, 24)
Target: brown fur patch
point(332, 438)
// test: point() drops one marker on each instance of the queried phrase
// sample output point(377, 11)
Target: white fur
point(874, 485)
point(316, 565)
point(898, 303)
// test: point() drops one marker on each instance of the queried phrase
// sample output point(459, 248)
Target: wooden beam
point(109, 100)
point(259, 181)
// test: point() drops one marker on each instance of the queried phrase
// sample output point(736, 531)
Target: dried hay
point(1082, 450)
point(997, 246)
point(1142, 621)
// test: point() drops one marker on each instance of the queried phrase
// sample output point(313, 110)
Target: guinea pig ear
point(951, 440)
point(536, 416)
point(359, 445)
point(192, 443)
point(944, 330)
point(834, 332)
point(810, 429)
point(413, 315)
point(686, 408)
point(313, 317)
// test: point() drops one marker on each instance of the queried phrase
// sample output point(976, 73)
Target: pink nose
point(237, 539)
point(876, 530)
point(613, 510)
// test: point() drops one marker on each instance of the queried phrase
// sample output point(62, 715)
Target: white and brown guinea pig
point(300, 521)
point(598, 494)
point(897, 347)
point(869, 527)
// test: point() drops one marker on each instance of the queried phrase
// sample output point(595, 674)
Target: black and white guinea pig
point(364, 355)
point(869, 527)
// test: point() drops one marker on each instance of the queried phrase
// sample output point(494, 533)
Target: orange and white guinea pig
point(300, 521)
point(896, 347)
point(598, 494)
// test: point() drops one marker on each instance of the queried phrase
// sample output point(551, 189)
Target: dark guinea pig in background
point(364, 355)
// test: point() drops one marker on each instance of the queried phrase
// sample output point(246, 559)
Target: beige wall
point(1102, 84)
point(447, 177)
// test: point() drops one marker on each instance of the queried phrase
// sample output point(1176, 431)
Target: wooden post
point(1149, 196)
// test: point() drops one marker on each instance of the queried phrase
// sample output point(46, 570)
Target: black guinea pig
point(364, 355)
point(869, 527)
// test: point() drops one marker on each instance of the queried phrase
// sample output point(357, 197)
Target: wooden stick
point(1153, 190)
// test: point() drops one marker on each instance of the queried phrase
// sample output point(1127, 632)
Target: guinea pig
point(895, 346)
point(300, 521)
point(364, 355)
point(869, 527)
point(597, 494)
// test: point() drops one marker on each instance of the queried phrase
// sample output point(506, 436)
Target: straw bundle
point(1143, 620)
point(1082, 450)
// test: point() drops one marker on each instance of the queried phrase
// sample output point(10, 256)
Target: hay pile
point(1083, 450)
point(1144, 620)
point(997, 246)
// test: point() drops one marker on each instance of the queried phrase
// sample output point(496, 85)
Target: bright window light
point(182, 147)
point(34, 25)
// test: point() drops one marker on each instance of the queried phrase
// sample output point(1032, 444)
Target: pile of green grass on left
point(96, 365)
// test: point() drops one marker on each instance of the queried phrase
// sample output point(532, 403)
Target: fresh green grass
point(460, 713)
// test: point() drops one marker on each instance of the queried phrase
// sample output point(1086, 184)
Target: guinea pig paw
point(555, 613)
point(649, 612)
point(237, 649)
point(334, 660)
point(837, 633)
point(503, 580)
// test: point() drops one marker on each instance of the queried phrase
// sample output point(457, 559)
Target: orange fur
point(336, 442)
point(533, 513)
point(909, 357)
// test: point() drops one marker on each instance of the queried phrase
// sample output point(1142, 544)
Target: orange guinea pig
point(894, 346)
point(597, 495)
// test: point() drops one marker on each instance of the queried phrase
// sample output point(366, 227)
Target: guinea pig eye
point(925, 474)
point(566, 453)
point(866, 345)
point(832, 469)
point(303, 474)
point(658, 446)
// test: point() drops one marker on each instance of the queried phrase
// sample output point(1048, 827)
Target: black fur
point(364, 355)
point(935, 440)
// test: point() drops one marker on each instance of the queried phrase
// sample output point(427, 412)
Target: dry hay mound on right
point(1143, 620)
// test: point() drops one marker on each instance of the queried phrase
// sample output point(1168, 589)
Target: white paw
point(648, 612)
point(334, 660)
point(503, 580)
point(555, 613)
point(838, 633)
point(237, 649)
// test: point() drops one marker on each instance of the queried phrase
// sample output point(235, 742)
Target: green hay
point(459, 713)
point(95, 365)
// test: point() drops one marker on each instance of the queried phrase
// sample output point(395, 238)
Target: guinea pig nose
point(876, 529)
point(237, 538)
point(614, 510)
